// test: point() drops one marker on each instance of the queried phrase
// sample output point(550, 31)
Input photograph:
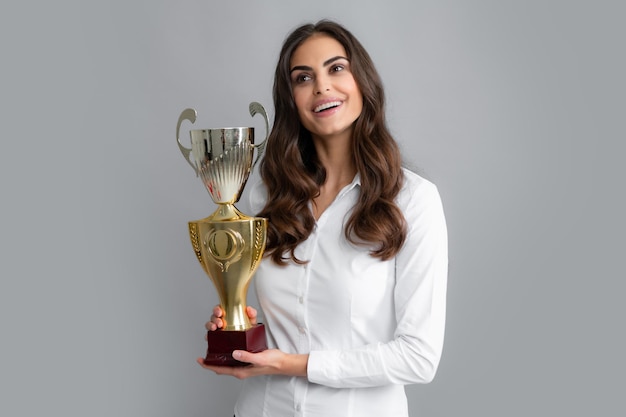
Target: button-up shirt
point(369, 326)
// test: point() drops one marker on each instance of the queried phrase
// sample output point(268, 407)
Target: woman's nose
point(321, 86)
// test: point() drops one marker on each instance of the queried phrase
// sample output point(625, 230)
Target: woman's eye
point(301, 78)
point(337, 68)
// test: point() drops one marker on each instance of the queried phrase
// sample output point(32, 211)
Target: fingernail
point(236, 354)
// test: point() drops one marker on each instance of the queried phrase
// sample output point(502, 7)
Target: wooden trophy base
point(221, 344)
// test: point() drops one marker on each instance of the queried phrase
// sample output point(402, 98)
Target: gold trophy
point(228, 244)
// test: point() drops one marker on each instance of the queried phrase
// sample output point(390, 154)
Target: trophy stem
point(235, 317)
point(227, 212)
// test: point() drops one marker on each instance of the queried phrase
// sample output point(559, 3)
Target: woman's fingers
point(217, 322)
point(214, 324)
point(252, 314)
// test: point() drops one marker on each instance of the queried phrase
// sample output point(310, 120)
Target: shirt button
point(301, 330)
point(298, 407)
point(301, 300)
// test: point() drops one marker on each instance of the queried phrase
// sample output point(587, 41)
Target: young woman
point(353, 287)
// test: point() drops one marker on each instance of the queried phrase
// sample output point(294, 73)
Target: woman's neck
point(336, 157)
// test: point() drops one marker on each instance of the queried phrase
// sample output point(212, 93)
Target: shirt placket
point(304, 343)
point(302, 286)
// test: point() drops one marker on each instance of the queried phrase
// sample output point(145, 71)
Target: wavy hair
point(293, 174)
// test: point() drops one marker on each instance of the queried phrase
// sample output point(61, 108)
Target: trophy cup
point(228, 244)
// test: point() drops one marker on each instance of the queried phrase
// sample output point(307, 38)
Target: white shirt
point(369, 326)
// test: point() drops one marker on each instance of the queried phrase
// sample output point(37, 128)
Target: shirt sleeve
point(413, 355)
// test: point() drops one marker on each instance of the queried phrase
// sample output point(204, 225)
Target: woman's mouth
point(326, 106)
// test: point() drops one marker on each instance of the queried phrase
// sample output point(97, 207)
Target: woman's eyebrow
point(325, 64)
point(333, 59)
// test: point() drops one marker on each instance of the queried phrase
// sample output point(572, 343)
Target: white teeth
point(325, 106)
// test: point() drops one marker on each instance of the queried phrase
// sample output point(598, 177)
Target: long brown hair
point(293, 173)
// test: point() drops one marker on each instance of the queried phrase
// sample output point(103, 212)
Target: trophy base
point(223, 342)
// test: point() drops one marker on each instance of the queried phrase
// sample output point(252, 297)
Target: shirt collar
point(355, 182)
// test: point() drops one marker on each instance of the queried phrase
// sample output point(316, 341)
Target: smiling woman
point(353, 239)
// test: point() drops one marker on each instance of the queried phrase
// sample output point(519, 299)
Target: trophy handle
point(254, 109)
point(187, 114)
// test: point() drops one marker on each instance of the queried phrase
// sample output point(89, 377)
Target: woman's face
point(324, 90)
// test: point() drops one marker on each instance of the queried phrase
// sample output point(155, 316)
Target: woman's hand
point(217, 322)
point(268, 362)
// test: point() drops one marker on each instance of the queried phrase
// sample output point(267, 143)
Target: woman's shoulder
point(421, 205)
point(414, 182)
point(417, 192)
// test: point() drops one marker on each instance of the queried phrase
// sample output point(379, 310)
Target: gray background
point(513, 108)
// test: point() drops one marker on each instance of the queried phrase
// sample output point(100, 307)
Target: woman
point(353, 286)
